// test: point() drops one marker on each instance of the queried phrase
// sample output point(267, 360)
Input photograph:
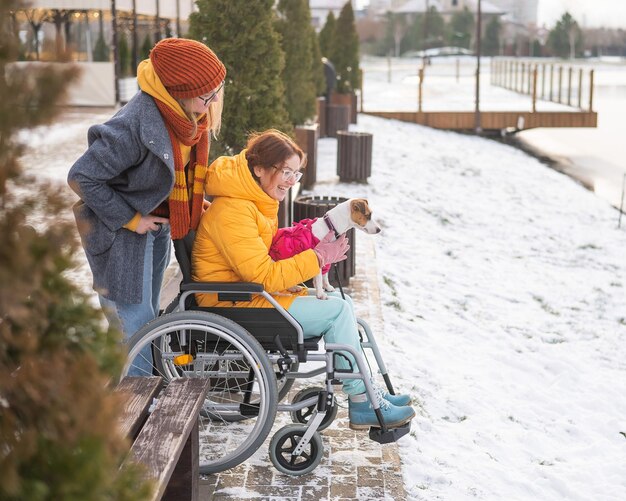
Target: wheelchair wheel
point(303, 416)
point(240, 405)
point(284, 443)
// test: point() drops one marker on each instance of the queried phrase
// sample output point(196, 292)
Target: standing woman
point(141, 180)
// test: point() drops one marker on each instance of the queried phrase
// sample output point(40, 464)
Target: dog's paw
point(322, 295)
point(329, 288)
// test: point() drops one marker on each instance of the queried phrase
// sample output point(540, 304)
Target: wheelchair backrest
point(182, 251)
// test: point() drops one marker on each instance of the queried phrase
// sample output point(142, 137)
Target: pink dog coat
point(293, 240)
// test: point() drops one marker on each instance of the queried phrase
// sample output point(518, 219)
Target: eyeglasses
point(289, 174)
point(212, 95)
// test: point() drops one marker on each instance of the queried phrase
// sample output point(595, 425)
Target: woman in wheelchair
point(232, 243)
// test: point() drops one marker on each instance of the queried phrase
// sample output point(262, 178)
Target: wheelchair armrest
point(244, 287)
point(226, 291)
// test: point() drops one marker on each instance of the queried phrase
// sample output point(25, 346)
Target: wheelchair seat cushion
point(265, 324)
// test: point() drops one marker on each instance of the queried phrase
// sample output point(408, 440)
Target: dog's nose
point(378, 230)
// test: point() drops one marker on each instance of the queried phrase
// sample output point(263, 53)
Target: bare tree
point(36, 18)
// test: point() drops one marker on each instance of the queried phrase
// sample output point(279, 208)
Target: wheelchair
point(252, 357)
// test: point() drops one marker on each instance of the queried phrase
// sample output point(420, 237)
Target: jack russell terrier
point(305, 234)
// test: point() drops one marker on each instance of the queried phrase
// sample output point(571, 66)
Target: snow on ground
point(505, 316)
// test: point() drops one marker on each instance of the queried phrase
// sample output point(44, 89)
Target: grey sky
point(590, 13)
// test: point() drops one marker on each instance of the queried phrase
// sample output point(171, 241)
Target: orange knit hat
point(187, 68)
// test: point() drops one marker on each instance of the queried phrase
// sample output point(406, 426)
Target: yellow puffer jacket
point(234, 236)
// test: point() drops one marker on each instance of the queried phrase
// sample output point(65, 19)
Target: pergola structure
point(76, 24)
point(117, 32)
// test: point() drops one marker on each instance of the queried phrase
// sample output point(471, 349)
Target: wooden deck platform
point(493, 120)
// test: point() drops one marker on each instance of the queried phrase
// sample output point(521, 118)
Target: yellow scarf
point(188, 148)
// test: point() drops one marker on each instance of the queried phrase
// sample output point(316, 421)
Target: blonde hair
point(214, 112)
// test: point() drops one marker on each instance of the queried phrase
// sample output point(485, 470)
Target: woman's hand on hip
point(150, 223)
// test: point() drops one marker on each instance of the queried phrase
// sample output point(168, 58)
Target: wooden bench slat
point(162, 438)
point(139, 392)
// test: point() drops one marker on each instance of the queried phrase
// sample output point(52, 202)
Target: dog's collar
point(330, 225)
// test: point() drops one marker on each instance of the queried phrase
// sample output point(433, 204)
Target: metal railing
point(555, 82)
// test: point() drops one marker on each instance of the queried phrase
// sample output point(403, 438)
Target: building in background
point(321, 8)
point(81, 31)
point(444, 7)
point(47, 27)
point(519, 33)
point(488, 8)
point(522, 12)
point(521, 36)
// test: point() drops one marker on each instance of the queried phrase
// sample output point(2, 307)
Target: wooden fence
point(556, 82)
point(493, 120)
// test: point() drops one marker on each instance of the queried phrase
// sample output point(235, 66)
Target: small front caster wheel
point(284, 443)
point(303, 416)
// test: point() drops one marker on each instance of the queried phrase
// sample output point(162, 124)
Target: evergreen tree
point(243, 35)
point(346, 51)
point(426, 30)
point(58, 418)
point(491, 41)
point(146, 47)
point(461, 28)
point(294, 26)
point(434, 29)
point(414, 37)
point(124, 55)
point(327, 36)
point(317, 68)
point(101, 50)
point(565, 39)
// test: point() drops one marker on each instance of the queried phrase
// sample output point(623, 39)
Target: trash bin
point(354, 156)
point(315, 206)
point(321, 116)
point(306, 137)
point(337, 118)
point(348, 99)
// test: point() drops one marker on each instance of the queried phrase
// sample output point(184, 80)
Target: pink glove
point(331, 252)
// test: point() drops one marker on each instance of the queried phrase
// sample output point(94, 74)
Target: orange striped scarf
point(184, 214)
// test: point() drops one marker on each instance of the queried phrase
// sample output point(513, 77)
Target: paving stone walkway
point(354, 467)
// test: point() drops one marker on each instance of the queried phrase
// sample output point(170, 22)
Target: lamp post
point(477, 124)
point(157, 32)
point(178, 28)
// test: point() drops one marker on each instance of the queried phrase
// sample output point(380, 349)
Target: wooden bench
point(165, 440)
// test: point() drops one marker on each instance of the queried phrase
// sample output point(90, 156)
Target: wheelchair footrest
point(389, 436)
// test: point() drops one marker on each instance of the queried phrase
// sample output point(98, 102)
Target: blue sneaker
point(362, 415)
point(397, 400)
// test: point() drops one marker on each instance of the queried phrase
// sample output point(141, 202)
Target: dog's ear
point(360, 205)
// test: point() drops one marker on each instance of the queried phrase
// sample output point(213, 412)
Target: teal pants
point(335, 319)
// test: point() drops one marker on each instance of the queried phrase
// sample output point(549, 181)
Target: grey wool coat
point(127, 168)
